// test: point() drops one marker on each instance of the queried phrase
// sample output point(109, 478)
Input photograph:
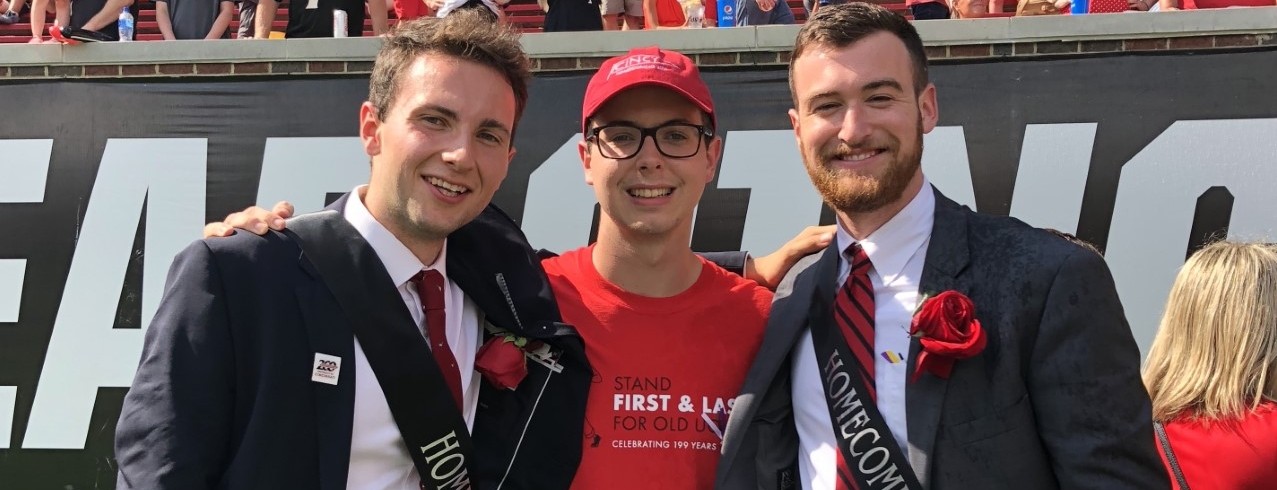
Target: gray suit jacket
point(1054, 400)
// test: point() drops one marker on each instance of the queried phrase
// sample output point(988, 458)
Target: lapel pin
point(891, 357)
point(326, 370)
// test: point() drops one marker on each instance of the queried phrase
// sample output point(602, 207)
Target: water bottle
point(339, 23)
point(694, 12)
point(125, 25)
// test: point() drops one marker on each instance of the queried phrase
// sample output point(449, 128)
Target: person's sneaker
point(55, 33)
point(9, 17)
point(72, 35)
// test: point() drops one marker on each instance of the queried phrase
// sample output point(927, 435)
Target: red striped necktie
point(854, 315)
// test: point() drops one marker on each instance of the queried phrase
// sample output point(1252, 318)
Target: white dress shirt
point(897, 251)
point(378, 456)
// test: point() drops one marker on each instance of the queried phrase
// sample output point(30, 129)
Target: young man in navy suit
point(341, 353)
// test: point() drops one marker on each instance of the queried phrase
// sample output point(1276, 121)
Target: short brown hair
point(839, 26)
point(465, 34)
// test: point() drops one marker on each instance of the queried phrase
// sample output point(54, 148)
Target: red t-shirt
point(670, 14)
point(1227, 456)
point(667, 371)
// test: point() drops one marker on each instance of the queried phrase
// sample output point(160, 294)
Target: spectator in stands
point(445, 7)
point(1212, 370)
point(661, 14)
point(975, 9)
point(812, 5)
point(9, 11)
point(762, 12)
point(317, 21)
point(61, 9)
point(410, 9)
point(631, 11)
point(969, 9)
point(96, 18)
point(247, 16)
point(928, 9)
point(673, 14)
point(572, 15)
point(194, 19)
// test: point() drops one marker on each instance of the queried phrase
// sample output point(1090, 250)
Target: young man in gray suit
point(1043, 393)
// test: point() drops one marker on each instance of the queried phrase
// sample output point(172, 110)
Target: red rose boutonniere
point(948, 330)
point(502, 361)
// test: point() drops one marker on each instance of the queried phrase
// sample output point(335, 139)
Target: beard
point(853, 193)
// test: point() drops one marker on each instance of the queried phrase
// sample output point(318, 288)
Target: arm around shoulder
point(1093, 413)
point(174, 427)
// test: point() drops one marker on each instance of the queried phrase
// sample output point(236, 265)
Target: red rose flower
point(948, 331)
point(501, 361)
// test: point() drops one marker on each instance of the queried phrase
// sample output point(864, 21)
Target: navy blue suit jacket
point(223, 397)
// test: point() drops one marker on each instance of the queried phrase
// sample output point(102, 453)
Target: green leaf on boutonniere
point(922, 300)
point(514, 339)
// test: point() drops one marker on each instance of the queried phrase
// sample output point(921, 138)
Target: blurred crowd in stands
point(73, 21)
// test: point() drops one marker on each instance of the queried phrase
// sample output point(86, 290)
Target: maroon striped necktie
point(430, 288)
point(854, 315)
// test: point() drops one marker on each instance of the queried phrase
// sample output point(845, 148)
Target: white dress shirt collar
point(892, 245)
point(400, 262)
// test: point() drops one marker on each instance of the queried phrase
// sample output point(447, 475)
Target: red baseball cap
point(646, 66)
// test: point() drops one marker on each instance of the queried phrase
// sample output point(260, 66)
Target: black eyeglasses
point(674, 140)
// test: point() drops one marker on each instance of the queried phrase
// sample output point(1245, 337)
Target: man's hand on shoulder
point(769, 270)
point(253, 220)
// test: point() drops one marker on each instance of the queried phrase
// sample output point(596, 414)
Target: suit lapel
point(364, 293)
point(334, 405)
point(812, 278)
point(328, 333)
point(490, 260)
point(821, 307)
point(947, 256)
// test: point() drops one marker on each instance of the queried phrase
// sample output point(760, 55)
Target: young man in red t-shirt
point(669, 334)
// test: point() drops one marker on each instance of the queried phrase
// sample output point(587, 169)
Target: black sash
point(873, 458)
point(423, 407)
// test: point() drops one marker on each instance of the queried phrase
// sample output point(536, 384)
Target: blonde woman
point(1212, 371)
